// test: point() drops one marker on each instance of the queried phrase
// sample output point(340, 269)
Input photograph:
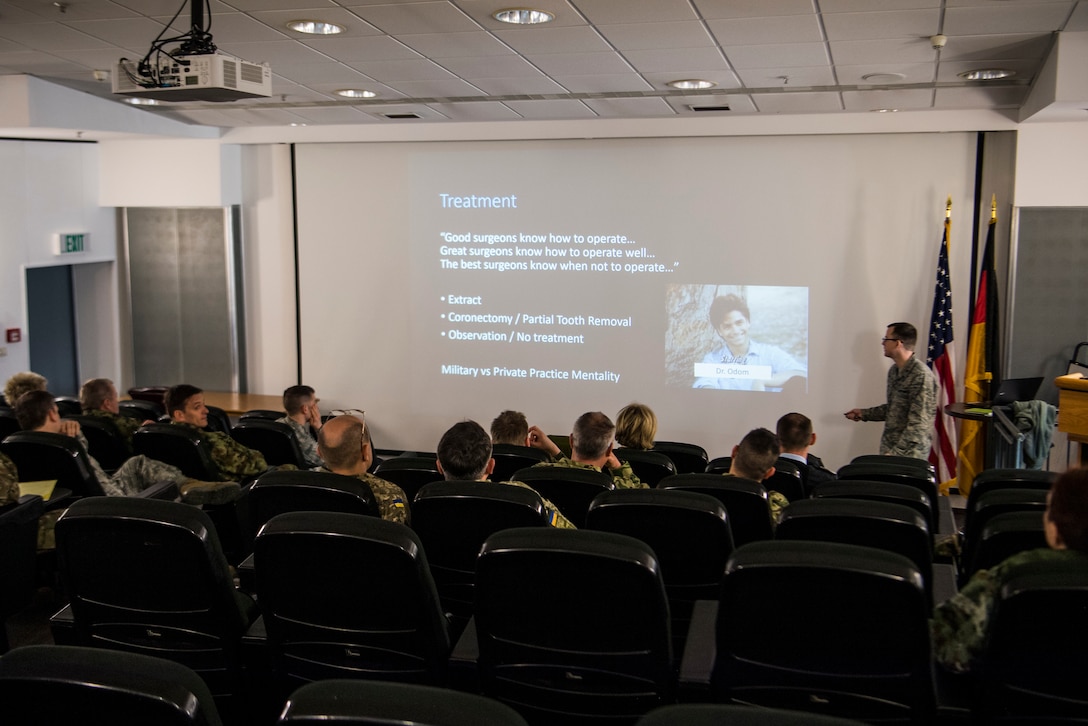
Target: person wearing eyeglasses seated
point(591, 448)
point(304, 418)
point(344, 446)
point(960, 625)
point(911, 411)
point(464, 454)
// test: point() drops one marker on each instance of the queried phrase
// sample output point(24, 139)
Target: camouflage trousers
point(137, 474)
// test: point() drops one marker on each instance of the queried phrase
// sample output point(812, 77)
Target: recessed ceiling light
point(315, 27)
point(522, 16)
point(692, 84)
point(883, 77)
point(355, 93)
point(141, 101)
point(986, 74)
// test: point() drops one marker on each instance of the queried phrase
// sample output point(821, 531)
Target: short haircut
point(592, 435)
point(295, 396)
point(1068, 508)
point(725, 304)
point(906, 333)
point(464, 451)
point(757, 452)
point(94, 392)
point(794, 431)
point(175, 397)
point(636, 426)
point(21, 383)
point(348, 451)
point(509, 427)
point(32, 409)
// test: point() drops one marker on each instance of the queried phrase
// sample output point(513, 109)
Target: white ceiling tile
point(554, 40)
point(239, 28)
point(89, 10)
point(804, 77)
point(455, 45)
point(912, 72)
point(714, 9)
point(480, 11)
point(723, 79)
point(277, 52)
point(676, 59)
point(604, 83)
point(402, 70)
point(760, 31)
point(312, 92)
point(310, 74)
point(997, 18)
point(1078, 21)
point(574, 64)
point(127, 32)
point(51, 36)
point(353, 25)
point(103, 59)
point(978, 97)
point(628, 107)
point(899, 24)
point(425, 17)
point(860, 6)
point(997, 47)
point(154, 8)
point(634, 11)
point(511, 66)
point(36, 63)
point(436, 89)
point(247, 5)
point(907, 98)
point(373, 48)
point(513, 86)
point(332, 115)
point(653, 36)
point(883, 52)
point(769, 56)
point(802, 102)
point(475, 111)
point(551, 109)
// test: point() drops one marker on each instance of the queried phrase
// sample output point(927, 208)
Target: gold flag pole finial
point(993, 208)
point(948, 208)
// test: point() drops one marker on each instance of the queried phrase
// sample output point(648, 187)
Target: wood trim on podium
point(1073, 410)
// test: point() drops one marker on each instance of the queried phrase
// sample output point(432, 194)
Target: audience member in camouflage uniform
point(510, 427)
point(185, 404)
point(754, 459)
point(98, 398)
point(21, 383)
point(303, 416)
point(911, 410)
point(591, 448)
point(960, 625)
point(344, 446)
point(9, 482)
point(464, 454)
point(37, 411)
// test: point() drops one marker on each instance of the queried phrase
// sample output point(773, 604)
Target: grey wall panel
point(152, 249)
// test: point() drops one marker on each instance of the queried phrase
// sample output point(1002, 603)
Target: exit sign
point(73, 243)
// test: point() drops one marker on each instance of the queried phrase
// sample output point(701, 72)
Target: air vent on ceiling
point(398, 116)
point(709, 108)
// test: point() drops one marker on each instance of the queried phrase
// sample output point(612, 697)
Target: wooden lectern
point(1073, 411)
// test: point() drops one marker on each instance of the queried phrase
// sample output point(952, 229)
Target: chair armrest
point(463, 670)
point(700, 652)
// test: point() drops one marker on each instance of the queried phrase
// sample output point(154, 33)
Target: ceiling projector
point(212, 77)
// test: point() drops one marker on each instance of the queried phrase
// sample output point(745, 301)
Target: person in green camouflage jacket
point(185, 404)
point(960, 625)
point(591, 445)
point(344, 445)
point(9, 481)
point(98, 399)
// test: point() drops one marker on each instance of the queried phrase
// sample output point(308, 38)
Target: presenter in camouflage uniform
point(911, 410)
point(37, 411)
point(303, 416)
point(185, 404)
point(464, 454)
point(344, 446)
point(98, 398)
point(591, 445)
point(960, 625)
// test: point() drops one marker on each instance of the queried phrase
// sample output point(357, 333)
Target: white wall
point(1052, 165)
point(170, 173)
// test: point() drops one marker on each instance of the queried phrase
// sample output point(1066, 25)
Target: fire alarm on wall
point(14, 335)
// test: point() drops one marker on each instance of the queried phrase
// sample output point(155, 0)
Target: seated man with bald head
point(591, 444)
point(464, 454)
point(344, 445)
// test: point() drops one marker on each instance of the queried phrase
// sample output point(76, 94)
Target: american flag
point(939, 358)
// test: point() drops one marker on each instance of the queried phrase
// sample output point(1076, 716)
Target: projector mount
point(197, 41)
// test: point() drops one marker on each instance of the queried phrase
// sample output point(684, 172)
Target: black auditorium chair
point(41, 456)
point(141, 410)
point(149, 576)
point(410, 473)
point(8, 423)
point(569, 489)
point(895, 473)
point(786, 480)
point(908, 461)
point(151, 394)
point(688, 531)
point(105, 442)
point(453, 519)
point(68, 406)
point(991, 502)
point(262, 413)
point(69, 685)
point(745, 502)
point(878, 491)
point(367, 703)
point(180, 446)
point(345, 596)
point(993, 479)
point(719, 465)
point(687, 458)
point(276, 441)
point(1002, 536)
point(893, 527)
point(719, 714)
point(218, 420)
point(649, 466)
point(829, 628)
point(1034, 666)
point(570, 627)
point(18, 565)
point(510, 458)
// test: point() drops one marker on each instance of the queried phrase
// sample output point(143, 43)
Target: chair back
point(279, 492)
point(993, 479)
point(18, 565)
point(1003, 536)
point(262, 413)
point(880, 491)
point(719, 465)
point(62, 685)
point(745, 502)
point(410, 473)
point(688, 531)
point(8, 423)
point(104, 441)
point(896, 474)
point(569, 489)
point(276, 441)
point(149, 576)
point(993, 502)
point(572, 625)
point(348, 596)
point(40, 456)
point(649, 466)
point(510, 458)
point(453, 520)
point(218, 420)
point(178, 446)
point(859, 650)
point(687, 458)
point(1035, 663)
point(786, 480)
point(142, 410)
point(908, 461)
point(370, 703)
point(68, 406)
point(717, 714)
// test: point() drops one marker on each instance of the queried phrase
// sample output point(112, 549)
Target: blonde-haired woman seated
point(636, 426)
